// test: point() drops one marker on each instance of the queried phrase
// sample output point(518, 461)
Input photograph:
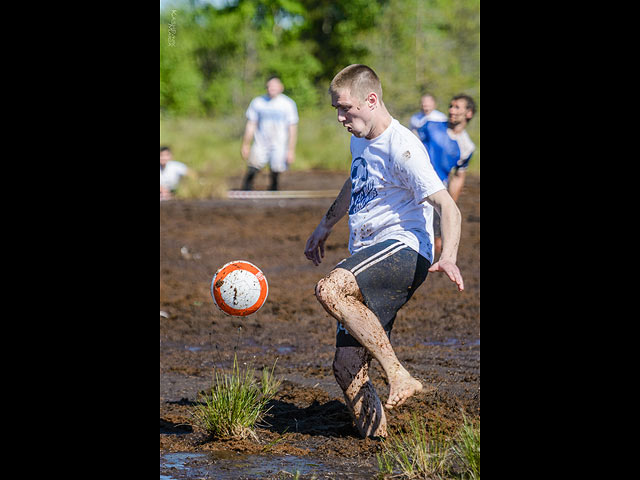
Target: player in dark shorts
point(387, 274)
point(390, 199)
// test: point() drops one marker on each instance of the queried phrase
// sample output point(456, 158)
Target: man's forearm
point(293, 137)
point(314, 249)
point(339, 207)
point(249, 130)
point(450, 226)
point(450, 223)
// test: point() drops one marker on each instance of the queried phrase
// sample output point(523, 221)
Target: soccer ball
point(239, 288)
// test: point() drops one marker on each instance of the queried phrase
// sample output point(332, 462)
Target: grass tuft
point(236, 402)
point(467, 449)
point(426, 451)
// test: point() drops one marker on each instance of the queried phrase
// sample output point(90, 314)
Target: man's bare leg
point(339, 294)
point(351, 367)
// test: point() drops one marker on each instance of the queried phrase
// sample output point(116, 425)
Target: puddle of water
point(175, 463)
point(231, 466)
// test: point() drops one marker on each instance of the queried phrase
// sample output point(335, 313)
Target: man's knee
point(338, 284)
point(326, 292)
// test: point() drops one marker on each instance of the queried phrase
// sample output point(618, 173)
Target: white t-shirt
point(273, 115)
point(171, 174)
point(419, 119)
point(390, 175)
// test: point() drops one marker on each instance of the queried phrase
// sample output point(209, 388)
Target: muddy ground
point(436, 335)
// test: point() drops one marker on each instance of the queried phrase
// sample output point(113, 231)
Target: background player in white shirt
point(392, 183)
point(272, 126)
point(171, 172)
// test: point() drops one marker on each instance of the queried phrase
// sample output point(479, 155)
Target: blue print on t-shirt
point(362, 188)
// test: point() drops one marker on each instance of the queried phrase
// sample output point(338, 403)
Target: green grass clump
point(236, 402)
point(418, 452)
point(467, 449)
point(421, 451)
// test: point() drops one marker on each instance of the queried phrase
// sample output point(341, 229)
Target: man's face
point(274, 87)
point(354, 115)
point(165, 156)
point(458, 112)
point(428, 105)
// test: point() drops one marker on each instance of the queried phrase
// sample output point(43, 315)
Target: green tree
point(423, 46)
point(180, 75)
point(333, 28)
point(214, 59)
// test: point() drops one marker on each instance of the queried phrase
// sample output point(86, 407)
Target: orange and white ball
point(239, 288)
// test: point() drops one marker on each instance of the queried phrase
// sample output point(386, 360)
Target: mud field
point(309, 431)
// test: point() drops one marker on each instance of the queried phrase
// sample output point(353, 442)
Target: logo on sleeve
point(362, 188)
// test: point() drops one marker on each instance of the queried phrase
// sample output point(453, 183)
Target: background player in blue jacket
point(450, 149)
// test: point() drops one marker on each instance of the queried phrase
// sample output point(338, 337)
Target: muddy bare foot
point(401, 390)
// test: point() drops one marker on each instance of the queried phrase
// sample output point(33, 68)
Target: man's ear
point(372, 100)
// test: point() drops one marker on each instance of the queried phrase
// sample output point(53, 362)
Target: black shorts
point(387, 274)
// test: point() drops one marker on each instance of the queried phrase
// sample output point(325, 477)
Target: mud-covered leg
point(351, 367)
point(339, 294)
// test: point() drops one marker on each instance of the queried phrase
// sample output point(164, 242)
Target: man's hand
point(452, 271)
point(314, 250)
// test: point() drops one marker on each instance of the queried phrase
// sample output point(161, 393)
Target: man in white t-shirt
point(272, 126)
point(428, 113)
point(171, 172)
point(389, 199)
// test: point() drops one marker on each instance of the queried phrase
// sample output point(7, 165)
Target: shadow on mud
point(171, 428)
point(329, 419)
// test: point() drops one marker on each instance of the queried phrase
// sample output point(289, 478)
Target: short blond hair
point(359, 79)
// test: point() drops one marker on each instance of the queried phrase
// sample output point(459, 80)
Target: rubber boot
point(274, 181)
point(247, 184)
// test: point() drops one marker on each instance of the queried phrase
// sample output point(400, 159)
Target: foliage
point(427, 451)
point(418, 452)
point(214, 59)
point(467, 448)
point(236, 402)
